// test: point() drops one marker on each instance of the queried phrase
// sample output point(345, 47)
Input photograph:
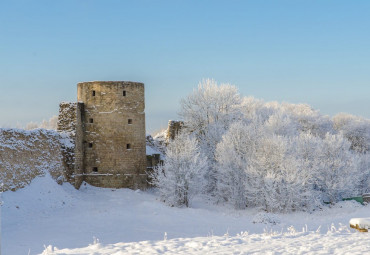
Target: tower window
point(93, 93)
point(124, 93)
point(91, 120)
point(95, 169)
point(129, 121)
point(90, 145)
point(128, 146)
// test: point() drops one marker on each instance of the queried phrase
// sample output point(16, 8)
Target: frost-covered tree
point(305, 147)
point(208, 112)
point(259, 168)
point(301, 116)
point(355, 129)
point(364, 173)
point(276, 156)
point(210, 103)
point(182, 174)
point(255, 109)
point(282, 124)
point(279, 179)
point(45, 124)
point(305, 118)
point(234, 154)
point(337, 174)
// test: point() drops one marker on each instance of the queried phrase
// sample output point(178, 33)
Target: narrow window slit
point(128, 146)
point(95, 169)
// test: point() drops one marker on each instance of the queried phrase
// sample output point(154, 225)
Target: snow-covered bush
point(181, 175)
point(266, 218)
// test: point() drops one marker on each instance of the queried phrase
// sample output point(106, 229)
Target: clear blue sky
point(315, 52)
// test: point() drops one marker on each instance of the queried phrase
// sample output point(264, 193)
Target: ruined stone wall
point(67, 117)
point(153, 161)
point(67, 120)
point(80, 144)
point(112, 143)
point(26, 154)
point(174, 127)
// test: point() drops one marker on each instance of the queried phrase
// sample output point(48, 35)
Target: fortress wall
point(27, 154)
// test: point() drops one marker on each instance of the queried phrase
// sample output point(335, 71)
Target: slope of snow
point(124, 221)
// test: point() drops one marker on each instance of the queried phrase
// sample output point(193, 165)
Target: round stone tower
point(110, 134)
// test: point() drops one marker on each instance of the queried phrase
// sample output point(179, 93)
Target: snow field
point(45, 214)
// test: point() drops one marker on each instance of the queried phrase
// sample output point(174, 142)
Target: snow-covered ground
point(290, 243)
point(45, 215)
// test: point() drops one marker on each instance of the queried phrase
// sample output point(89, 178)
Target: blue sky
point(315, 52)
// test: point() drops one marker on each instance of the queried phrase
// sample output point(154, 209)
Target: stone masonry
point(26, 154)
point(67, 124)
point(110, 147)
point(67, 117)
point(174, 127)
point(109, 134)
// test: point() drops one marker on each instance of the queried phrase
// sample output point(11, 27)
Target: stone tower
point(110, 134)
